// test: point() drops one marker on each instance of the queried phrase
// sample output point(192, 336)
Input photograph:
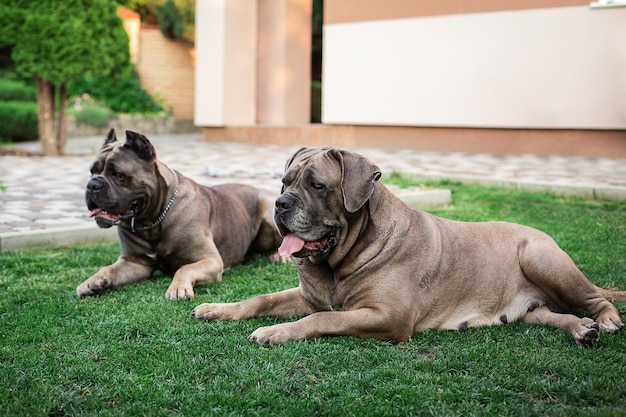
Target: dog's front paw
point(609, 323)
point(276, 258)
point(272, 335)
point(179, 291)
point(93, 286)
point(213, 312)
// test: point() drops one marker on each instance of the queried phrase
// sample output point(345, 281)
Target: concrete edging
point(580, 190)
point(54, 237)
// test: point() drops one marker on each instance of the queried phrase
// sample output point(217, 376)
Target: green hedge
point(17, 91)
point(123, 94)
point(18, 120)
point(93, 114)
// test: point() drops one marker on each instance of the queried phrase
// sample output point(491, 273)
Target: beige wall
point(166, 69)
point(344, 11)
point(554, 67)
point(252, 62)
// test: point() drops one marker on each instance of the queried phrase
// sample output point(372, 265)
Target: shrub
point(17, 91)
point(18, 120)
point(92, 114)
point(177, 19)
point(170, 20)
point(122, 94)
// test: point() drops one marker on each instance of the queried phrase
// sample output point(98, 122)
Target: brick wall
point(166, 69)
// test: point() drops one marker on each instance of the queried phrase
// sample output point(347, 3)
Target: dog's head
point(123, 179)
point(322, 189)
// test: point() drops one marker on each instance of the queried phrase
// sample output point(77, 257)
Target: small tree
point(57, 42)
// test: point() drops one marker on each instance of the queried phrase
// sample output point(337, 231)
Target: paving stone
point(40, 195)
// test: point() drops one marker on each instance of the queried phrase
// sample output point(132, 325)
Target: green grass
point(131, 352)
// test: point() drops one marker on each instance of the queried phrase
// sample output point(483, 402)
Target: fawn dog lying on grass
point(370, 266)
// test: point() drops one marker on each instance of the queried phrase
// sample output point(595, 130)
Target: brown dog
point(167, 221)
point(370, 266)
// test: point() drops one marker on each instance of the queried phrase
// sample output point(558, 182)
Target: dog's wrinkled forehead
point(311, 160)
point(109, 154)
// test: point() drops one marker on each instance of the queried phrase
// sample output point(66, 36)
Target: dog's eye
point(119, 176)
point(317, 186)
point(95, 168)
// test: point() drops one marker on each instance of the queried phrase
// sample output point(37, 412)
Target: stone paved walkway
point(41, 193)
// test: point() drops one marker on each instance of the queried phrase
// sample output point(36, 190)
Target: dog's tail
point(612, 294)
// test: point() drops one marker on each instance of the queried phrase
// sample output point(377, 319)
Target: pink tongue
point(108, 216)
point(94, 212)
point(291, 244)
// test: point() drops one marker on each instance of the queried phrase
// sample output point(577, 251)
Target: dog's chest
point(330, 295)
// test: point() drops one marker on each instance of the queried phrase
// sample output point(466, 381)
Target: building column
point(284, 62)
point(253, 62)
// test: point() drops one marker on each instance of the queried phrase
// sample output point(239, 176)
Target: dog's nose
point(95, 184)
point(284, 202)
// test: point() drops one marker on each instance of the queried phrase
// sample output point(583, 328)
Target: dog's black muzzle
point(93, 190)
point(95, 184)
point(284, 204)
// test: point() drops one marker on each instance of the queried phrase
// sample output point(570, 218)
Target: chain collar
point(163, 213)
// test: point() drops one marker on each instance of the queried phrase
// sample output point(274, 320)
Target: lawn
point(131, 352)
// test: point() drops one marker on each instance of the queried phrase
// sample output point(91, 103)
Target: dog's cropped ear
point(111, 137)
point(140, 144)
point(358, 175)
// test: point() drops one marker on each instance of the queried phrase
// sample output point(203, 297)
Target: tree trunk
point(61, 128)
point(45, 116)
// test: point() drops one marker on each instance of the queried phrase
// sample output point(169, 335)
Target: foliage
point(317, 21)
point(18, 120)
point(146, 8)
point(122, 93)
point(17, 91)
point(316, 101)
point(176, 19)
point(57, 42)
point(86, 110)
point(62, 41)
point(131, 352)
point(317, 25)
point(170, 20)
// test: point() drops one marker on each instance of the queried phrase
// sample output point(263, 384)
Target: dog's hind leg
point(584, 330)
point(553, 271)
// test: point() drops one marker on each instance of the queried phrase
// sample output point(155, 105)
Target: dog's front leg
point(188, 276)
point(125, 270)
point(363, 322)
point(287, 303)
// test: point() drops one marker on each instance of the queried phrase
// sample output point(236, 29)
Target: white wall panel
point(545, 68)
